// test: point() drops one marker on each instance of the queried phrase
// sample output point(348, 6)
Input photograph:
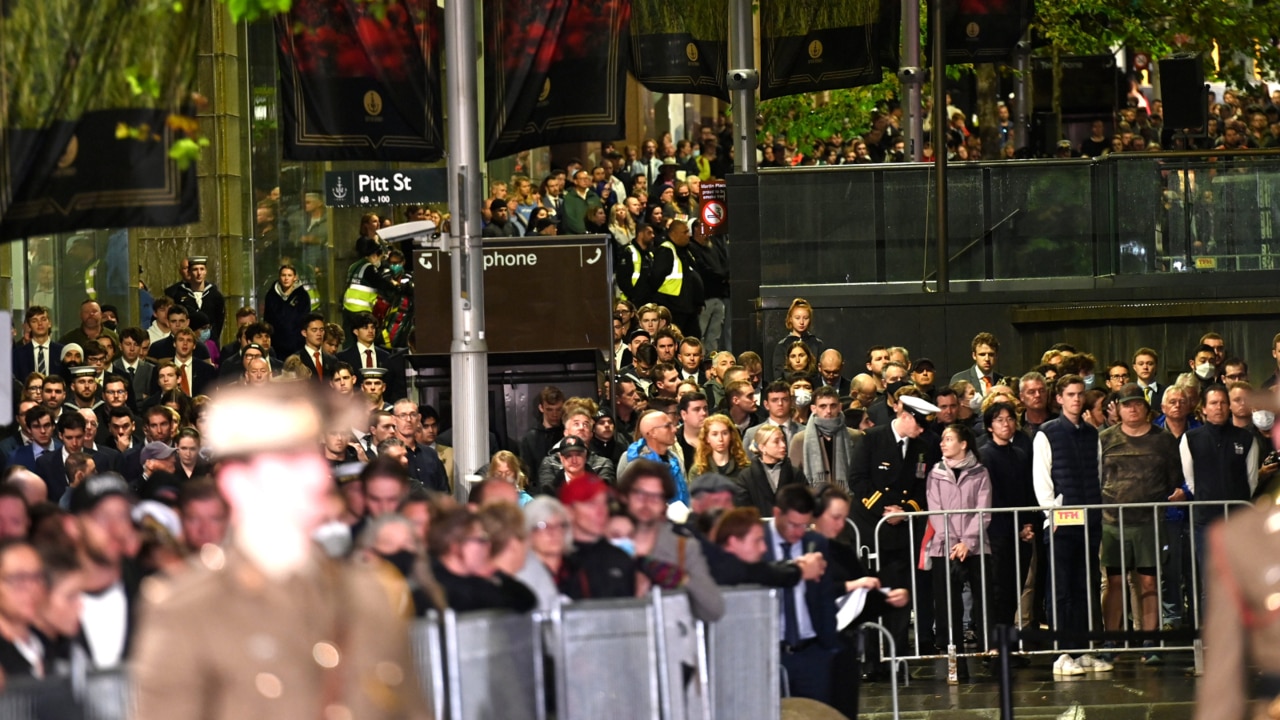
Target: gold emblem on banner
point(972, 29)
point(69, 153)
point(546, 90)
point(815, 49)
point(373, 103)
point(691, 52)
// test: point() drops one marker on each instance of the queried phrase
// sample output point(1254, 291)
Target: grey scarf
point(816, 467)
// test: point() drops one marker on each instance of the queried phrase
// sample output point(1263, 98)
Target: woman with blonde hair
point(621, 225)
point(770, 469)
point(799, 319)
point(720, 450)
point(506, 466)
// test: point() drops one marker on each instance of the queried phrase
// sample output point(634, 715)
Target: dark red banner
point(555, 72)
point(360, 80)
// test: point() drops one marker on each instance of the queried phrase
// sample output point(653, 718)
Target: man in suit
point(424, 464)
point(365, 354)
point(428, 430)
point(982, 375)
point(139, 372)
point(195, 377)
point(41, 354)
point(40, 424)
point(890, 466)
point(165, 349)
point(1145, 364)
point(314, 358)
point(72, 431)
point(831, 367)
point(22, 438)
point(808, 626)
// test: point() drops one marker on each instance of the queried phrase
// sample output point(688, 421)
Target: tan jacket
point(1242, 618)
point(224, 642)
point(446, 458)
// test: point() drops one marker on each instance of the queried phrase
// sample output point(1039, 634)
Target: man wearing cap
point(887, 476)
point(270, 626)
point(571, 454)
point(84, 388)
point(374, 386)
point(365, 354)
point(596, 568)
point(101, 505)
point(196, 294)
point(923, 376)
point(159, 463)
point(578, 423)
point(367, 279)
point(499, 225)
point(1140, 464)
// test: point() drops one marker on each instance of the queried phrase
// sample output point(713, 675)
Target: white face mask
point(1264, 419)
point(803, 397)
point(1205, 371)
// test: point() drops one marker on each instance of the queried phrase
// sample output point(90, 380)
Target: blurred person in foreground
point(271, 627)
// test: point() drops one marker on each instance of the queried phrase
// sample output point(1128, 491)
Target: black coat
point(880, 476)
point(287, 315)
point(758, 493)
point(466, 593)
point(820, 595)
point(598, 570)
point(392, 361)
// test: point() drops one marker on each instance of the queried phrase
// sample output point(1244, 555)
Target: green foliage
point(253, 9)
point(807, 118)
point(800, 17)
point(704, 19)
point(186, 151)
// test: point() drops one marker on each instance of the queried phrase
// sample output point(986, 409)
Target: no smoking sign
point(713, 213)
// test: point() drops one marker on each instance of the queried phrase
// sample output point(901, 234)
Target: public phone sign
point(713, 209)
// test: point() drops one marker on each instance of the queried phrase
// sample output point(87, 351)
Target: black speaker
point(1182, 89)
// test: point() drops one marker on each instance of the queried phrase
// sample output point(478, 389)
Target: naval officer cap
point(84, 371)
point(198, 260)
point(919, 409)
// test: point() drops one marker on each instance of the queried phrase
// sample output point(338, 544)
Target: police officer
point(679, 285)
point(635, 268)
point(269, 626)
point(888, 474)
point(366, 280)
point(197, 294)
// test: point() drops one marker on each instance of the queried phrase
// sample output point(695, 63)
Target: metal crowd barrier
point(1061, 517)
point(481, 666)
point(606, 658)
point(740, 665)
point(104, 695)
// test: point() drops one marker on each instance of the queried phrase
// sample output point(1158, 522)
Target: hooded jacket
point(963, 487)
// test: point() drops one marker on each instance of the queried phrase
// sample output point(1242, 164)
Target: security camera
point(743, 79)
point(910, 74)
point(423, 233)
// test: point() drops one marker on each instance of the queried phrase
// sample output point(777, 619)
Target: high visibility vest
point(674, 280)
point(90, 275)
point(359, 298)
point(637, 261)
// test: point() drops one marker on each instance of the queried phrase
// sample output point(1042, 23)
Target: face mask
point(397, 268)
point(109, 324)
point(803, 397)
point(625, 544)
point(402, 561)
point(335, 538)
point(204, 335)
point(1088, 381)
point(1204, 371)
point(1264, 419)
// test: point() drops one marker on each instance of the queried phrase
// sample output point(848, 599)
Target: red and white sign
point(713, 213)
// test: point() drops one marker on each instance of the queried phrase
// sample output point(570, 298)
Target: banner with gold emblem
point(360, 80)
point(96, 114)
point(980, 31)
point(681, 47)
point(812, 45)
point(555, 72)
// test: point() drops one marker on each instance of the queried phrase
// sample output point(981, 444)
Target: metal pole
point(939, 138)
point(1021, 93)
point(743, 61)
point(470, 362)
point(911, 76)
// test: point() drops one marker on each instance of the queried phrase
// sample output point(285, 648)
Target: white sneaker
point(1064, 665)
point(1094, 664)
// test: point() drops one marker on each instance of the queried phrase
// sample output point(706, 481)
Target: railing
point(1045, 535)
point(1124, 214)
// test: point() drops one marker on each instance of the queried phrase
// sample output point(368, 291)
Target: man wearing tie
point(138, 372)
point(42, 353)
point(808, 627)
point(320, 363)
point(194, 376)
point(364, 355)
point(1145, 362)
point(983, 375)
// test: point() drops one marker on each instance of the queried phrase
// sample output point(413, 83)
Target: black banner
point(69, 189)
point(360, 80)
point(97, 127)
point(812, 45)
point(983, 31)
point(555, 72)
point(681, 47)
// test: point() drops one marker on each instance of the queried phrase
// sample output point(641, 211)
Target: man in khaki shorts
point(1140, 464)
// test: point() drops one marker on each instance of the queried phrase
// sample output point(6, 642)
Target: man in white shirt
point(102, 508)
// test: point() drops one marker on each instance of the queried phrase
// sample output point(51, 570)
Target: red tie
point(182, 379)
point(368, 358)
point(319, 367)
point(986, 384)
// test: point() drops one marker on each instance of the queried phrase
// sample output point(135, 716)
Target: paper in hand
point(850, 606)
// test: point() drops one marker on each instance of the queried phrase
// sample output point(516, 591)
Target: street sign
point(371, 188)
point(713, 212)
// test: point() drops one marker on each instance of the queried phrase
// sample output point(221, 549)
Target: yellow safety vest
point(674, 280)
point(90, 274)
point(637, 261)
point(359, 298)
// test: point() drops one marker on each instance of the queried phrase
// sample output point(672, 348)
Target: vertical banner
point(360, 80)
point(96, 114)
point(982, 31)
point(555, 72)
point(681, 47)
point(812, 45)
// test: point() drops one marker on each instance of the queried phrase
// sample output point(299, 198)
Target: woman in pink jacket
point(959, 545)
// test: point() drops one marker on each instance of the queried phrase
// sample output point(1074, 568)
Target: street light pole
point(469, 349)
point(939, 139)
point(743, 80)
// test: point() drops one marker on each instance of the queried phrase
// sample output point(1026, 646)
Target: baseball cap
point(1130, 392)
point(921, 363)
point(88, 494)
point(156, 450)
point(581, 490)
point(711, 483)
point(573, 443)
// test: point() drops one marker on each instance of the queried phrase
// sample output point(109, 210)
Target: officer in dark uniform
point(269, 626)
point(888, 474)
